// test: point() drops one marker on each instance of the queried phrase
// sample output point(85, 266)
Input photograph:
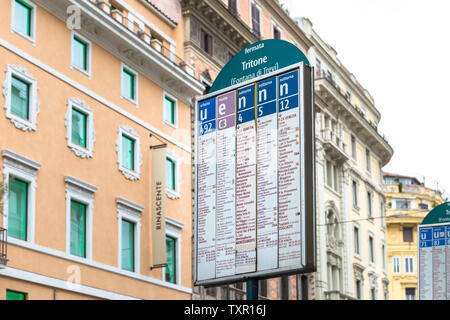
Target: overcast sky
point(399, 50)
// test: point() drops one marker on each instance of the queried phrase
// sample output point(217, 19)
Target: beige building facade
point(84, 85)
point(408, 203)
point(350, 203)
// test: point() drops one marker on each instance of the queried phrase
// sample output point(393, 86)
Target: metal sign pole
point(252, 289)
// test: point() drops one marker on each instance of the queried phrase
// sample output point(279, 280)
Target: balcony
point(132, 40)
point(336, 295)
point(145, 34)
point(3, 247)
point(334, 146)
point(329, 91)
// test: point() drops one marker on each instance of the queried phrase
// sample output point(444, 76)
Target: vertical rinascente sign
point(254, 179)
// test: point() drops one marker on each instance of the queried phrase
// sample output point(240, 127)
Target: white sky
point(399, 50)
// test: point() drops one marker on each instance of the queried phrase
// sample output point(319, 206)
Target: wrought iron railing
point(3, 246)
point(153, 43)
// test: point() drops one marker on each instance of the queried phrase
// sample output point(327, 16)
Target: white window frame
point(80, 151)
point(276, 25)
point(87, 72)
point(355, 194)
point(357, 254)
point(372, 262)
point(24, 169)
point(173, 230)
point(174, 194)
point(81, 192)
point(129, 174)
point(136, 84)
point(398, 264)
point(31, 38)
point(33, 105)
point(384, 257)
point(165, 115)
point(406, 261)
point(369, 200)
point(130, 211)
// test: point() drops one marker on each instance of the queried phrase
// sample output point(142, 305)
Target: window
point(369, 204)
point(129, 84)
point(382, 215)
point(79, 124)
point(22, 105)
point(367, 160)
point(19, 206)
point(24, 19)
point(332, 176)
point(79, 204)
point(348, 96)
point(78, 229)
point(276, 32)
point(410, 293)
point(318, 68)
point(128, 152)
point(170, 270)
point(423, 206)
point(128, 249)
point(206, 42)
point(355, 193)
point(170, 110)
point(356, 239)
point(409, 264)
point(383, 255)
point(402, 204)
point(407, 234)
point(79, 121)
point(396, 265)
point(232, 6)
point(18, 209)
point(371, 252)
point(255, 18)
point(373, 294)
point(263, 288)
point(170, 174)
point(353, 141)
point(81, 53)
point(129, 219)
point(358, 289)
point(15, 295)
point(20, 98)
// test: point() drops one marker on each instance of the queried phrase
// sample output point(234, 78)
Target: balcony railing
point(336, 295)
point(324, 75)
point(3, 247)
point(145, 36)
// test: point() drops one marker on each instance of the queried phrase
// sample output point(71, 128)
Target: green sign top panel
point(256, 60)
point(440, 214)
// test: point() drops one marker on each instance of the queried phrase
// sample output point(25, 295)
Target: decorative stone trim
point(129, 174)
point(25, 169)
point(129, 207)
point(82, 192)
point(33, 108)
point(80, 151)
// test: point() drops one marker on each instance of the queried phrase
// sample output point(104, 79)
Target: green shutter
point(128, 84)
point(80, 50)
point(12, 295)
point(20, 97)
point(79, 124)
point(128, 153)
point(170, 174)
point(78, 229)
point(17, 209)
point(171, 260)
point(170, 110)
point(22, 17)
point(127, 245)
